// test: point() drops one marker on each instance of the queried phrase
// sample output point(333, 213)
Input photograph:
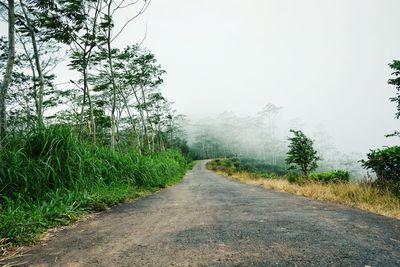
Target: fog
point(263, 136)
point(323, 62)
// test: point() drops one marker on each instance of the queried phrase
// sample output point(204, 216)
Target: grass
point(50, 178)
point(24, 222)
point(362, 195)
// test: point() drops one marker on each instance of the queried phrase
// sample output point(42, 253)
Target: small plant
point(301, 155)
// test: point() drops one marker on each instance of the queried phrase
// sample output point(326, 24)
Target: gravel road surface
point(209, 220)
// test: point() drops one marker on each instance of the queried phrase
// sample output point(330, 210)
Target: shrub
point(331, 177)
point(385, 162)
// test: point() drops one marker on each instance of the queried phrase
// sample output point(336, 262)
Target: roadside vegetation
point(83, 144)
point(334, 186)
point(50, 178)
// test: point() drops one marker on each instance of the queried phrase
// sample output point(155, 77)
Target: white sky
point(325, 62)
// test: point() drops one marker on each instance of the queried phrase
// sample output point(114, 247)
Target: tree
point(301, 154)
point(266, 118)
point(29, 27)
point(395, 65)
point(75, 23)
point(5, 84)
point(106, 38)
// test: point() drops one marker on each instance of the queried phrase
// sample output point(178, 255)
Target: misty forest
point(108, 134)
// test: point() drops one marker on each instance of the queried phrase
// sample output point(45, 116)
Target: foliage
point(301, 154)
point(385, 162)
point(332, 176)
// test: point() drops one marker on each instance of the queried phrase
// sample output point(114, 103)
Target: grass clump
point(49, 177)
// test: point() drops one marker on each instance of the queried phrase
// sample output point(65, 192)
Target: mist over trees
point(263, 136)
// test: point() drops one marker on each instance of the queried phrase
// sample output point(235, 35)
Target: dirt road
point(208, 220)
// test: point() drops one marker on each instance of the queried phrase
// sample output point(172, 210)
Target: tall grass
point(49, 177)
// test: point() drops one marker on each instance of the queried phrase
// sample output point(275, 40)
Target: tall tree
point(5, 84)
point(75, 23)
point(32, 31)
point(107, 25)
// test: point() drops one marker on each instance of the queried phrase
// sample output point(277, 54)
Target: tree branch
point(144, 8)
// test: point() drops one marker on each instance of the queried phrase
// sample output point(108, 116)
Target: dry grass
point(361, 195)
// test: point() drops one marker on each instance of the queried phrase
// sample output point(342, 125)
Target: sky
point(324, 62)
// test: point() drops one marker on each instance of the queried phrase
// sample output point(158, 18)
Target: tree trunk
point(82, 110)
point(135, 132)
point(148, 119)
point(141, 118)
point(32, 67)
point(92, 119)
point(39, 109)
point(5, 84)
point(114, 94)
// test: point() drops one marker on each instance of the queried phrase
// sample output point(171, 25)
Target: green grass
point(24, 222)
point(50, 178)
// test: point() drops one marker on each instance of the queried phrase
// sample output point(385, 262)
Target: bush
point(331, 177)
point(385, 162)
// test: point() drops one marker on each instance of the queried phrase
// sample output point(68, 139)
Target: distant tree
point(395, 65)
point(301, 154)
point(267, 125)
